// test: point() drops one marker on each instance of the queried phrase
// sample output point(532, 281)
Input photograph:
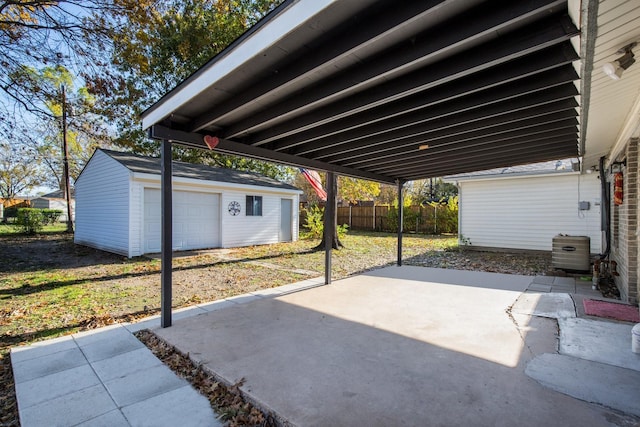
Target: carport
point(382, 90)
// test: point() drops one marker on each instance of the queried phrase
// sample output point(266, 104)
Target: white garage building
point(118, 206)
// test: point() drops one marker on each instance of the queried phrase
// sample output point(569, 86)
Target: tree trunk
point(336, 243)
point(331, 193)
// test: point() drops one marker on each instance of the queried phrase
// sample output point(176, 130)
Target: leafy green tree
point(152, 56)
point(353, 190)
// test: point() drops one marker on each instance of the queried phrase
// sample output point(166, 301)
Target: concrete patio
point(394, 346)
point(414, 346)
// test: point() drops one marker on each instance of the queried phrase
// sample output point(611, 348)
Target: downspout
point(605, 205)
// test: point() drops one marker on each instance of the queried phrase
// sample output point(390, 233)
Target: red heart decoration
point(211, 141)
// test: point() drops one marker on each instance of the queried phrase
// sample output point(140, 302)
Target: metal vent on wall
point(571, 253)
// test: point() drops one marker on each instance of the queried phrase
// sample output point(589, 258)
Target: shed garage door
point(196, 220)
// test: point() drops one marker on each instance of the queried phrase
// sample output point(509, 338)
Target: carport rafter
point(545, 70)
point(545, 153)
point(407, 155)
point(325, 56)
point(549, 32)
point(458, 125)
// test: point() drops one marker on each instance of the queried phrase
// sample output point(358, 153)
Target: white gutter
point(514, 176)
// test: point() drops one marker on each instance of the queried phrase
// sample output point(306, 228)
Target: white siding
point(296, 217)
point(527, 212)
point(59, 204)
point(102, 205)
point(136, 219)
point(243, 230)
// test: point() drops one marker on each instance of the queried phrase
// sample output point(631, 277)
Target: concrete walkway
point(395, 346)
point(106, 377)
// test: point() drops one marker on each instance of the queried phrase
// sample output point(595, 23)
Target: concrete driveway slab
point(110, 419)
point(42, 348)
point(406, 346)
point(125, 364)
point(148, 383)
point(46, 365)
point(90, 378)
point(110, 345)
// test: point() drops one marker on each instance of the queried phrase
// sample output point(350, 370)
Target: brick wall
point(624, 237)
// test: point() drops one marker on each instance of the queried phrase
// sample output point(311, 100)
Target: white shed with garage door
point(118, 206)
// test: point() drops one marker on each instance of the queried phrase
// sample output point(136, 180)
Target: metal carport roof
point(385, 90)
point(362, 88)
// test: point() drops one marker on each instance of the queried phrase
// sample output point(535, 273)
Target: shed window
point(254, 205)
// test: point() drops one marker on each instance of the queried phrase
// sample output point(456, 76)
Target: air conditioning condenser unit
point(571, 253)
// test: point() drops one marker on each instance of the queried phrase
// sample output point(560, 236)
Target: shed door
point(285, 220)
point(196, 220)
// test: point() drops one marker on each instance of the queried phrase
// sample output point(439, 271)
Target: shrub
point(314, 224)
point(409, 219)
point(51, 216)
point(30, 220)
point(447, 215)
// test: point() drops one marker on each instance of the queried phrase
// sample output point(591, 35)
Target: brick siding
point(624, 232)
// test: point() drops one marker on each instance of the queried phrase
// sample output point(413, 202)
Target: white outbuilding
point(525, 207)
point(118, 206)
point(55, 200)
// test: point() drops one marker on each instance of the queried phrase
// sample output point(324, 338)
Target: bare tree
point(18, 173)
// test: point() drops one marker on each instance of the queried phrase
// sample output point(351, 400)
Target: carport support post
point(166, 235)
point(329, 225)
point(400, 219)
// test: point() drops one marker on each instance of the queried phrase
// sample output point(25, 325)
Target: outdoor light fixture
point(423, 147)
point(616, 68)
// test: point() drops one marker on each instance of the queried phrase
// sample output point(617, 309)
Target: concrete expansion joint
point(109, 393)
point(573, 300)
point(509, 313)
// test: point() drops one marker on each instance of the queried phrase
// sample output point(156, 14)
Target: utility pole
point(65, 161)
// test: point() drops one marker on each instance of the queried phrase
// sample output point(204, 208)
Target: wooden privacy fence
point(417, 219)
